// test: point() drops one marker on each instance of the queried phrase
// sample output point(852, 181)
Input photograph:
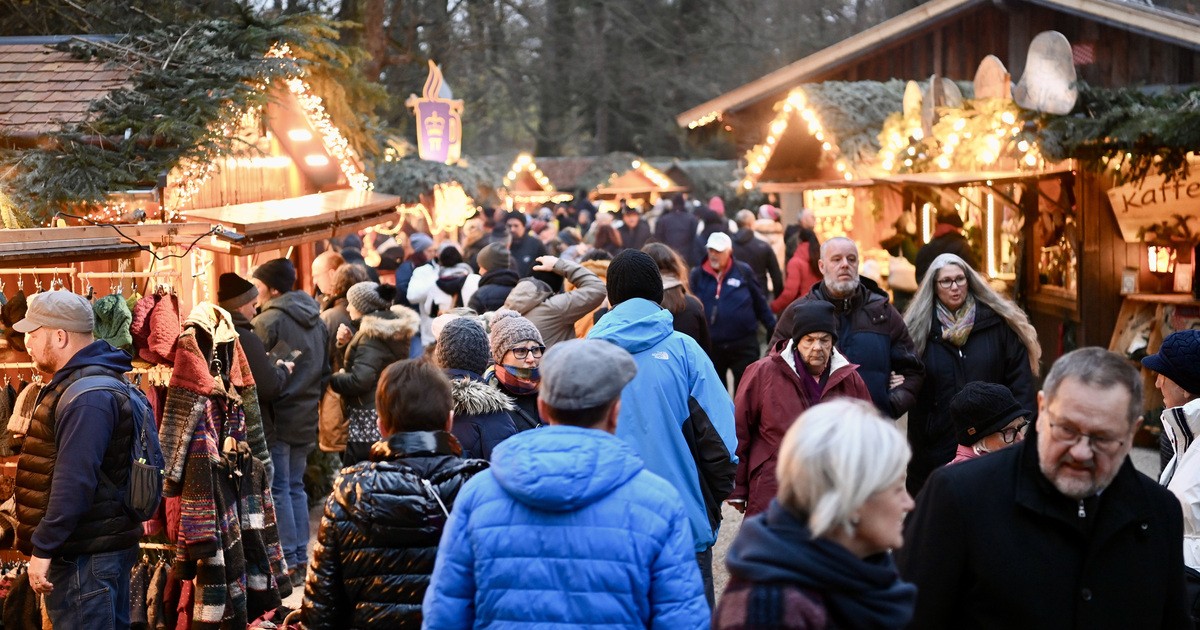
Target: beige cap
point(63, 310)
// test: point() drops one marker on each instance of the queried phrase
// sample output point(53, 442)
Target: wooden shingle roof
point(42, 88)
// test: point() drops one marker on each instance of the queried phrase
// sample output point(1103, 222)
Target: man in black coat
point(496, 279)
point(1059, 531)
point(947, 239)
point(634, 231)
point(758, 254)
point(525, 249)
point(677, 228)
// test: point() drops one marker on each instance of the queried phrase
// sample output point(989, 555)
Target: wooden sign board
point(1141, 204)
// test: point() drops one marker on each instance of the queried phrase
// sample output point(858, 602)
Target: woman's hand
point(344, 334)
point(895, 380)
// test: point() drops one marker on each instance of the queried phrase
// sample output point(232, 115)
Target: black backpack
point(146, 459)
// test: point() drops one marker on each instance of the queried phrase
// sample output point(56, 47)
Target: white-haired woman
point(964, 332)
point(820, 556)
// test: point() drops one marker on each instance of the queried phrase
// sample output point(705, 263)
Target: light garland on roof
point(524, 163)
point(314, 108)
point(706, 119)
point(986, 134)
point(796, 104)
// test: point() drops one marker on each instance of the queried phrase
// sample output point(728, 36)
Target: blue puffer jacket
point(566, 529)
point(734, 305)
point(677, 414)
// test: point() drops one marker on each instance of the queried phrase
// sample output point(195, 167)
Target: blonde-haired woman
point(964, 332)
point(820, 556)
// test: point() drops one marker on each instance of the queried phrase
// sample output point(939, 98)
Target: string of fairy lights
point(795, 105)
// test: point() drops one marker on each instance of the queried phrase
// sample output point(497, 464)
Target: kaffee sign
point(1154, 199)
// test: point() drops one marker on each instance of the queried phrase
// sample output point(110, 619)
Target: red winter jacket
point(797, 280)
point(769, 400)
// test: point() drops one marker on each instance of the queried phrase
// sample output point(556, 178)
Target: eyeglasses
point(1010, 435)
point(522, 352)
point(1097, 443)
point(947, 283)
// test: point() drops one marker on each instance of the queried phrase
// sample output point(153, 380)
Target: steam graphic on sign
point(439, 119)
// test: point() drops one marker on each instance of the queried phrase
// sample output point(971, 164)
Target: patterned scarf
point(956, 326)
point(518, 381)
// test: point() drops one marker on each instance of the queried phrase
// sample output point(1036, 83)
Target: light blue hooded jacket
point(654, 407)
point(566, 529)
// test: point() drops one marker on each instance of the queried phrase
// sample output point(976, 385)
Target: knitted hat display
point(278, 274)
point(1178, 358)
point(510, 329)
point(494, 256)
point(633, 274)
point(463, 345)
point(112, 321)
point(12, 312)
point(369, 297)
point(420, 242)
point(980, 409)
point(165, 327)
point(814, 316)
point(234, 291)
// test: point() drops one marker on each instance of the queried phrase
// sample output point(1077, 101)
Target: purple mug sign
point(439, 119)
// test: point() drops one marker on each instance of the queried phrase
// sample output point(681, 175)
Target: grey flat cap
point(584, 373)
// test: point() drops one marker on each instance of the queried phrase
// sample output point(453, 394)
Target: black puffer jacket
point(494, 287)
point(380, 531)
point(383, 338)
point(481, 414)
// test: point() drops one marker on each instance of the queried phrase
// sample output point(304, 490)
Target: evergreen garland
point(410, 177)
point(1132, 130)
point(854, 112)
point(190, 85)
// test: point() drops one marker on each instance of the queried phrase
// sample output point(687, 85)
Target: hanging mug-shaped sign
point(439, 120)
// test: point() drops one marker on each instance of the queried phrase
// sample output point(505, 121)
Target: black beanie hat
point(633, 274)
point(812, 316)
point(278, 274)
point(463, 345)
point(981, 409)
point(234, 291)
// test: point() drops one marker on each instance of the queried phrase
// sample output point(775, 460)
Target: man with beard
point(870, 331)
point(1063, 517)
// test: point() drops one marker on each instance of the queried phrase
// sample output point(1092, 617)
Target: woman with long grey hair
point(964, 332)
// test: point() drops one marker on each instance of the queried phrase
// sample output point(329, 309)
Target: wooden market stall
point(609, 178)
point(1062, 230)
point(524, 186)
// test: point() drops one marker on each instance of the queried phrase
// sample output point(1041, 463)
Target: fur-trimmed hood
point(476, 398)
point(395, 324)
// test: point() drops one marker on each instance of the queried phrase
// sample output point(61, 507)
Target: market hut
point(1054, 232)
point(523, 186)
point(702, 178)
point(609, 178)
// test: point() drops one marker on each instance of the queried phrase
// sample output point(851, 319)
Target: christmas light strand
point(796, 104)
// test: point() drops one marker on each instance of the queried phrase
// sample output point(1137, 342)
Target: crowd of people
point(539, 425)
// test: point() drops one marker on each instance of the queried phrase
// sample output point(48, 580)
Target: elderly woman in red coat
point(796, 374)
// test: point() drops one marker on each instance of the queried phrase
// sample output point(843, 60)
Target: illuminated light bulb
point(819, 136)
point(912, 150)
point(770, 139)
point(841, 166)
point(849, 177)
point(299, 135)
point(808, 115)
point(908, 162)
point(637, 164)
point(778, 127)
point(1031, 159)
point(967, 135)
point(986, 157)
point(960, 124)
point(895, 139)
point(918, 134)
point(1008, 118)
point(1022, 146)
point(826, 146)
point(747, 185)
point(887, 165)
point(943, 162)
point(952, 139)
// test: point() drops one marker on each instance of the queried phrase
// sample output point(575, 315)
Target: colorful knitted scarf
point(518, 381)
point(956, 326)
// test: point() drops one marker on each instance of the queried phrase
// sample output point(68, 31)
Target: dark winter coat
point(63, 507)
point(525, 252)
point(692, 322)
point(294, 319)
point(494, 287)
point(383, 338)
point(735, 305)
point(482, 414)
point(269, 377)
point(951, 242)
point(988, 526)
point(770, 399)
point(872, 334)
point(783, 577)
point(993, 353)
point(677, 229)
point(636, 237)
point(334, 313)
point(758, 254)
point(379, 535)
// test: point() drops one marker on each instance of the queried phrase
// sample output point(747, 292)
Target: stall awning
point(53, 245)
point(813, 184)
point(284, 222)
point(958, 179)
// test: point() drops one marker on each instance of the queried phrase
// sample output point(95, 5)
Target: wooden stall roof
point(1168, 26)
point(814, 184)
point(280, 223)
point(52, 245)
point(956, 179)
point(42, 88)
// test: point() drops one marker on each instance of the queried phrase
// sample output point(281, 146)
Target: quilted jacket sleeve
point(676, 591)
point(325, 601)
point(450, 600)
